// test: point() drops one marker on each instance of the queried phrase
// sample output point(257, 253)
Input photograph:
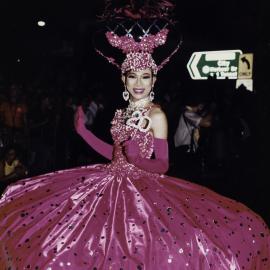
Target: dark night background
point(64, 46)
point(206, 25)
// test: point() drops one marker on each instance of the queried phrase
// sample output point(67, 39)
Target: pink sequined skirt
point(96, 218)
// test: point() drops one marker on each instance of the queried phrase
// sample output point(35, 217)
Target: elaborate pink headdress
point(138, 54)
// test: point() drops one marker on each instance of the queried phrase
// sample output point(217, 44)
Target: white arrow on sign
point(192, 64)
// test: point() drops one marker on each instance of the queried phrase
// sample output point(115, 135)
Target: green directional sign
point(219, 64)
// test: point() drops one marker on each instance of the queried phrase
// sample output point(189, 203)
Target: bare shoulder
point(157, 114)
point(159, 122)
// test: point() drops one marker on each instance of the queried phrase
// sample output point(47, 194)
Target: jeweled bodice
point(122, 132)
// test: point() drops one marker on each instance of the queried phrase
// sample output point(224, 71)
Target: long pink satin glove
point(98, 145)
point(158, 165)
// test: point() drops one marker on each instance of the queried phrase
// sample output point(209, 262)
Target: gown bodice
point(122, 132)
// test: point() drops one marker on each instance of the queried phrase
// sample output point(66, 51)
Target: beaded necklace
point(134, 114)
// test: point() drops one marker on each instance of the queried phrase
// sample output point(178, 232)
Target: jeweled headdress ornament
point(137, 28)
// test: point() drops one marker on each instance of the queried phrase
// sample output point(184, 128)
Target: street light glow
point(41, 23)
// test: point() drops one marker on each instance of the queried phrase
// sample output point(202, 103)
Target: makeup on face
point(139, 83)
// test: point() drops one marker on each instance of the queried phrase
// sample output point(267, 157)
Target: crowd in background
point(37, 133)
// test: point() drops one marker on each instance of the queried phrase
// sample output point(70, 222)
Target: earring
point(125, 95)
point(152, 95)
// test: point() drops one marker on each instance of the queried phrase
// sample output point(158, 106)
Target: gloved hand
point(79, 120)
point(158, 165)
point(98, 145)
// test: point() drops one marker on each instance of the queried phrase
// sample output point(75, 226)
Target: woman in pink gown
point(127, 214)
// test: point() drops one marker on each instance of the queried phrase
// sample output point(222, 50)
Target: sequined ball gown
point(116, 216)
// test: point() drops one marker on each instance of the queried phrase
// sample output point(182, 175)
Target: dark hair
point(9, 147)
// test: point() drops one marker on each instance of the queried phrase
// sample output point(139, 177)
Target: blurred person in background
point(42, 127)
point(11, 167)
point(188, 142)
point(13, 115)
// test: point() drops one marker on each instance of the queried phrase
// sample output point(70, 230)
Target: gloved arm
point(98, 145)
point(158, 165)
